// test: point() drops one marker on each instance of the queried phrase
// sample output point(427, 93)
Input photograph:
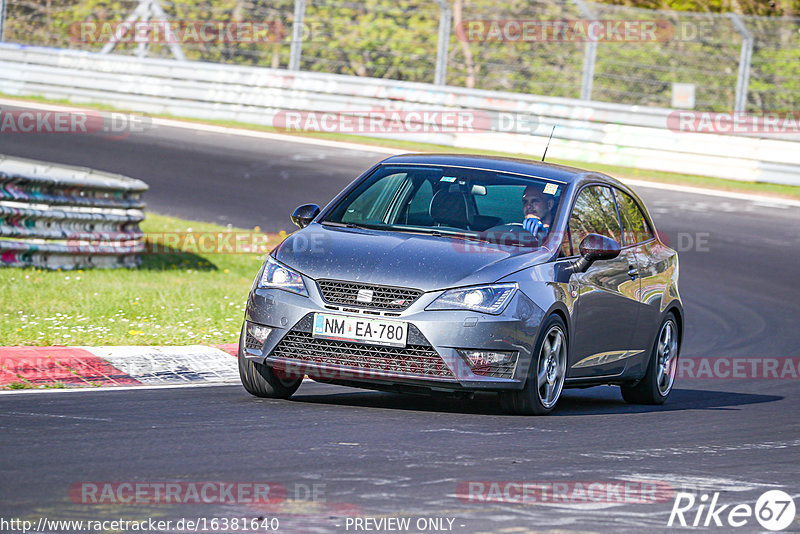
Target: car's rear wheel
point(263, 381)
point(546, 373)
point(657, 383)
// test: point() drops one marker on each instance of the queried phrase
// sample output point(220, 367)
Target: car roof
point(551, 171)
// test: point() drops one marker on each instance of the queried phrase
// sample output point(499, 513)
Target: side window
point(372, 204)
point(594, 213)
point(634, 223)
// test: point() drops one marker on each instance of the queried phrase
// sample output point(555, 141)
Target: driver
point(537, 209)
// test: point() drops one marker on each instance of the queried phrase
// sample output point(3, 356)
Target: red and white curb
point(40, 367)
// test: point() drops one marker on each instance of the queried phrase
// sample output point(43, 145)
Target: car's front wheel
point(262, 381)
point(546, 373)
point(657, 383)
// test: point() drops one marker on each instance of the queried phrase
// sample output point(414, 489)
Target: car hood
point(401, 259)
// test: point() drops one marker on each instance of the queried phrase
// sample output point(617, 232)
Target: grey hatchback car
point(454, 273)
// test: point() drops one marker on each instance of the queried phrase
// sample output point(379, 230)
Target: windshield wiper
point(347, 225)
point(439, 233)
point(472, 237)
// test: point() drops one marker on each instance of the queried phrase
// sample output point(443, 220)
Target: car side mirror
point(595, 247)
point(303, 215)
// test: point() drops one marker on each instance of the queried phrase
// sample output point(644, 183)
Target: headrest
point(449, 208)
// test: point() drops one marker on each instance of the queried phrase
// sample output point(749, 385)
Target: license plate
point(360, 329)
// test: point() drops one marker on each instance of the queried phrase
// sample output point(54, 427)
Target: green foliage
point(397, 39)
point(769, 8)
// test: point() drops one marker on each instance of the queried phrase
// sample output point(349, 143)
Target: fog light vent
point(255, 336)
point(493, 363)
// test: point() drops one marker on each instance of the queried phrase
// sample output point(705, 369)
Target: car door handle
point(633, 272)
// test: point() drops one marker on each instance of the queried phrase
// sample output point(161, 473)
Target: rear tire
point(261, 380)
point(546, 374)
point(656, 385)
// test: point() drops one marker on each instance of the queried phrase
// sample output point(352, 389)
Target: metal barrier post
point(142, 47)
point(2, 20)
point(144, 11)
point(173, 42)
point(296, 49)
point(743, 79)
point(589, 55)
point(445, 22)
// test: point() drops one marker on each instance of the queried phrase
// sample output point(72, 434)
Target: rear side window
point(634, 224)
point(594, 213)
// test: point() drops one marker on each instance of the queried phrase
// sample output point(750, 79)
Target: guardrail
point(592, 132)
point(61, 217)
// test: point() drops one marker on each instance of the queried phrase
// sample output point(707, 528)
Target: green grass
point(177, 298)
point(25, 384)
point(777, 190)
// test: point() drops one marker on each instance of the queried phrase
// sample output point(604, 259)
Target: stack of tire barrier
point(61, 217)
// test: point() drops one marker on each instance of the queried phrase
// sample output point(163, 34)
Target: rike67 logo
point(774, 510)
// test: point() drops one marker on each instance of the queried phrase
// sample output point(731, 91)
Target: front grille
point(382, 297)
point(411, 360)
point(418, 358)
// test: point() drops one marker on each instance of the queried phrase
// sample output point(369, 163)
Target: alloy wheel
point(551, 367)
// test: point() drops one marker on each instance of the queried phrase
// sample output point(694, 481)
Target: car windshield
point(460, 202)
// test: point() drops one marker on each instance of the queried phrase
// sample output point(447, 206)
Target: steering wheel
point(508, 227)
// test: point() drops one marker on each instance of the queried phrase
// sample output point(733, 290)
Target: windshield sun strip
point(435, 166)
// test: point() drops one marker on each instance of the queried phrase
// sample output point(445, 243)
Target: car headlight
point(280, 276)
point(491, 299)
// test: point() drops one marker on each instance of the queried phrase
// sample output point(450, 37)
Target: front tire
point(657, 383)
point(546, 373)
point(261, 380)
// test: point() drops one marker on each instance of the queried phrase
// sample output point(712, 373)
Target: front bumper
point(431, 359)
